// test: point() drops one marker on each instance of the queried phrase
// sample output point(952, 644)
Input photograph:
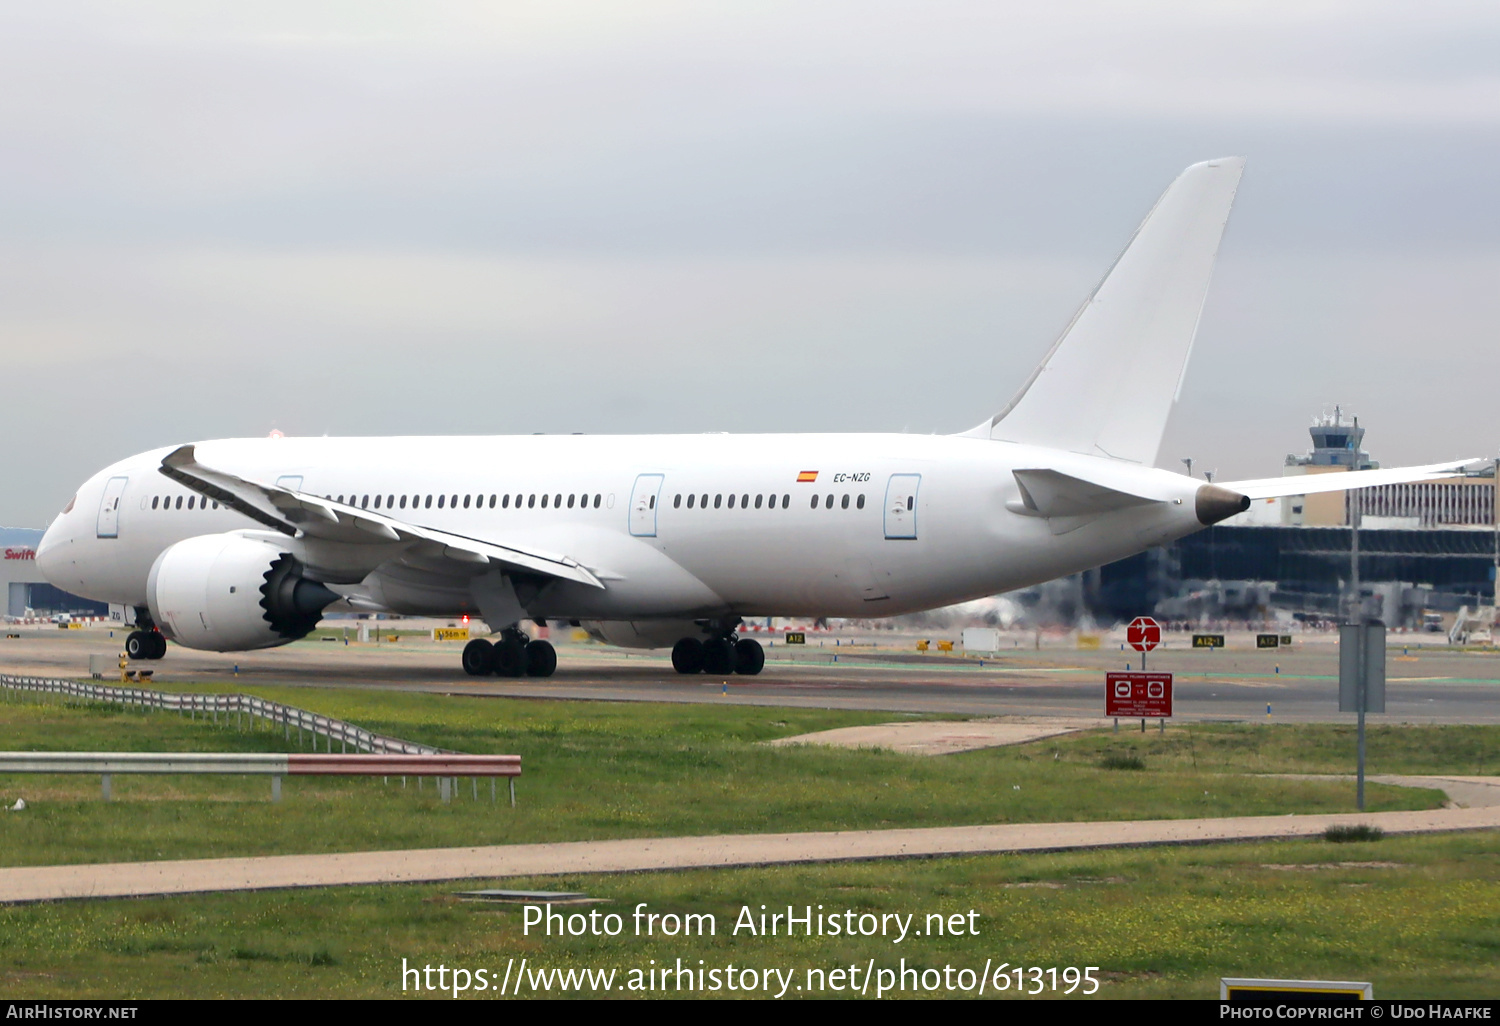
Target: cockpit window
point(69, 507)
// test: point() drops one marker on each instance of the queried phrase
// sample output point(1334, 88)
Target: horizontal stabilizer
point(1312, 484)
point(1051, 493)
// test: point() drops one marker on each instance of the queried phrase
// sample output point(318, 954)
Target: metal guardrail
point(375, 754)
point(271, 763)
point(272, 714)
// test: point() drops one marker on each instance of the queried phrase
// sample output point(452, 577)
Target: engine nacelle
point(230, 593)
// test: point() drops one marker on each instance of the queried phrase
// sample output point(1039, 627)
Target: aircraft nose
point(50, 550)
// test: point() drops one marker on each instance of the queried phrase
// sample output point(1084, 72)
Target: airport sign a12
point(1138, 694)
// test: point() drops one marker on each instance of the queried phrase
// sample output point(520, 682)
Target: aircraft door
point(109, 507)
point(643, 505)
point(901, 506)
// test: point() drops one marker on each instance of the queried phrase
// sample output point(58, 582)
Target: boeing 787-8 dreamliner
point(655, 540)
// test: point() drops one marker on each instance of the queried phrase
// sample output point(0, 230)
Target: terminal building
point(27, 593)
point(1425, 549)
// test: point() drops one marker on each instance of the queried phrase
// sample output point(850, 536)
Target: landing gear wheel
point(687, 656)
point(479, 658)
point(510, 657)
point(718, 657)
point(158, 644)
point(541, 659)
point(749, 657)
point(140, 646)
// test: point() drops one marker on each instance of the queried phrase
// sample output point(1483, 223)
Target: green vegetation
point(1353, 833)
point(1417, 916)
point(596, 770)
point(1302, 748)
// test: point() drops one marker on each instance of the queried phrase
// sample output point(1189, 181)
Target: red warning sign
point(1138, 694)
point(1143, 634)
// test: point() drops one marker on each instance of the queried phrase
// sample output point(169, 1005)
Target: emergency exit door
point(643, 505)
point(901, 507)
point(109, 507)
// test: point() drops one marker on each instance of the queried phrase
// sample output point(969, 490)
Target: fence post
point(104, 785)
point(276, 789)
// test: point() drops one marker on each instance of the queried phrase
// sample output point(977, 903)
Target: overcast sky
point(383, 218)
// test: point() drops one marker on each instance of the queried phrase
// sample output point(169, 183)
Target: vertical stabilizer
point(1107, 385)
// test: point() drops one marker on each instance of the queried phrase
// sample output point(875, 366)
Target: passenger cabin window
point(677, 501)
point(597, 499)
point(815, 502)
point(717, 500)
point(190, 501)
point(557, 501)
point(427, 504)
point(466, 502)
point(531, 501)
point(492, 502)
point(731, 502)
point(154, 500)
point(571, 497)
point(691, 498)
point(859, 503)
point(377, 502)
point(844, 502)
point(403, 502)
point(757, 502)
point(505, 501)
point(829, 503)
point(453, 502)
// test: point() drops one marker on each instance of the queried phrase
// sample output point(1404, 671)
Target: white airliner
point(653, 540)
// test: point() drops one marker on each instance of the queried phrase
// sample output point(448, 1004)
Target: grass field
point(605, 770)
point(1417, 916)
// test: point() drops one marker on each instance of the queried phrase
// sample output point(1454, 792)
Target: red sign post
point(1137, 694)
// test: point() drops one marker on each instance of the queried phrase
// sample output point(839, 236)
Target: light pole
point(1357, 617)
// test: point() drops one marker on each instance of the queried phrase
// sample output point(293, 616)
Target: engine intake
point(232, 593)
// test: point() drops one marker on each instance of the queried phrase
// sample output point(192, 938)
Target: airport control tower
point(1336, 443)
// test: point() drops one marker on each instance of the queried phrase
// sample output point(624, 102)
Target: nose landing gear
point(145, 645)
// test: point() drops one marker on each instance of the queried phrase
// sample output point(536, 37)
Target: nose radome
point(48, 547)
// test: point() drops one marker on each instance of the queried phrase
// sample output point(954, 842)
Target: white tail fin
point(1107, 385)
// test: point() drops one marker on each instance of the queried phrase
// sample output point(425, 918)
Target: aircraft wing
point(1310, 484)
point(297, 514)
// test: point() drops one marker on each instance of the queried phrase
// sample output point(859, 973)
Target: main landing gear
point(718, 657)
point(511, 655)
point(145, 645)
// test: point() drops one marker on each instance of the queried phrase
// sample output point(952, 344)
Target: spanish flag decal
point(807, 476)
